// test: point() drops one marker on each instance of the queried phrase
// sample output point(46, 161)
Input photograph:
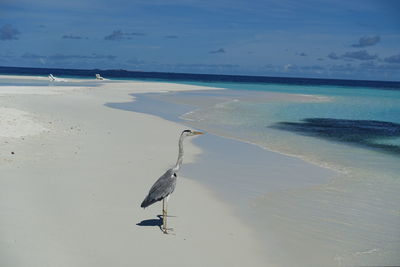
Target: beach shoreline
point(70, 194)
point(315, 196)
point(89, 130)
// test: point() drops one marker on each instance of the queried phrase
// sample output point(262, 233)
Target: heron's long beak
point(196, 133)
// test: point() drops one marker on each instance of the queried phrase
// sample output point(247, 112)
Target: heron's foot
point(167, 230)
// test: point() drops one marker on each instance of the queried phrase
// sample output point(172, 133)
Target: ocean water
point(338, 127)
point(343, 128)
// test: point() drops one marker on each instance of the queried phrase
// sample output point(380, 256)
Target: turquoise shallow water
point(350, 127)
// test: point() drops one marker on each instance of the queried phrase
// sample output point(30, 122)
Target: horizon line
point(202, 74)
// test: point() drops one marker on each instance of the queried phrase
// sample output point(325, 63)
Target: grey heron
point(165, 185)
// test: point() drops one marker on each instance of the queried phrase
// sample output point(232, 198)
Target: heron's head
point(190, 133)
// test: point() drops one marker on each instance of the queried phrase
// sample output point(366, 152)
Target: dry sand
point(73, 173)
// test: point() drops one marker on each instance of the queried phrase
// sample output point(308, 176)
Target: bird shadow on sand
point(153, 222)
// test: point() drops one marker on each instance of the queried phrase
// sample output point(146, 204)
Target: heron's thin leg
point(164, 214)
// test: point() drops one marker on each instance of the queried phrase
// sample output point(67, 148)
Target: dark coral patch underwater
point(364, 133)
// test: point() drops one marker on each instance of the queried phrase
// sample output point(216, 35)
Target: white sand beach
point(73, 173)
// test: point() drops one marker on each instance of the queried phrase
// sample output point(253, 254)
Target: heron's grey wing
point(164, 186)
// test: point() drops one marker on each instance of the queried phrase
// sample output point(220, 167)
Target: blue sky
point(313, 38)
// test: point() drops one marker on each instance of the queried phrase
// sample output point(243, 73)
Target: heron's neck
point(180, 155)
